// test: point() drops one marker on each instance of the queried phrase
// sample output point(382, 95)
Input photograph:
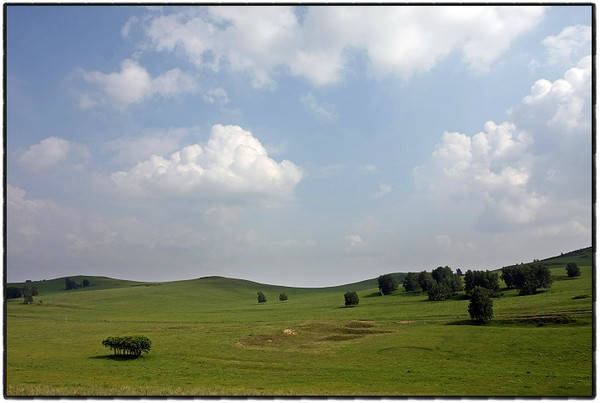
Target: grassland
point(211, 337)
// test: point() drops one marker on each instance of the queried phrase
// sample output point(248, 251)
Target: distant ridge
point(103, 282)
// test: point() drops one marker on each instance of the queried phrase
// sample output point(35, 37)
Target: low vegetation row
point(128, 345)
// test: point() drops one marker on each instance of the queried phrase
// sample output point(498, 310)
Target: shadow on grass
point(112, 357)
point(467, 322)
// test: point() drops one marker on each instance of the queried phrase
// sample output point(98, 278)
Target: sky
point(294, 145)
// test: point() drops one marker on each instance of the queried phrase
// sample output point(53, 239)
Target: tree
point(543, 276)
point(387, 284)
point(261, 297)
point(85, 282)
point(425, 280)
point(480, 278)
point(28, 295)
point(441, 273)
point(439, 291)
point(573, 270)
point(459, 272)
point(13, 292)
point(283, 297)
point(351, 298)
point(411, 282)
point(71, 284)
point(481, 305)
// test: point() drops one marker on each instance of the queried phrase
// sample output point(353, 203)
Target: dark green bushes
point(128, 345)
point(527, 278)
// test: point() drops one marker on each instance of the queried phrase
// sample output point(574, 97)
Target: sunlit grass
point(211, 337)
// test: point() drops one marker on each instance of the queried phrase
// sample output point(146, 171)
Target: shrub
point(261, 297)
point(573, 270)
point(283, 297)
point(481, 305)
point(351, 298)
point(128, 345)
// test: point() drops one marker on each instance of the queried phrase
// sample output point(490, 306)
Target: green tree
point(28, 295)
point(13, 292)
point(480, 278)
point(425, 280)
point(70, 284)
point(439, 291)
point(411, 282)
point(283, 297)
point(261, 297)
point(387, 284)
point(573, 270)
point(481, 305)
point(351, 298)
point(85, 282)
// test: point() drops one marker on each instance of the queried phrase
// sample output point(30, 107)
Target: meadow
point(210, 337)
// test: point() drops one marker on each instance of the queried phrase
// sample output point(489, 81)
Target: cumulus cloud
point(51, 151)
point(399, 41)
point(515, 172)
point(232, 162)
point(134, 84)
point(569, 45)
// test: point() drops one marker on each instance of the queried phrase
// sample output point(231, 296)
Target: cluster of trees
point(439, 285)
point(128, 345)
point(262, 298)
point(73, 285)
point(527, 278)
point(485, 279)
point(26, 292)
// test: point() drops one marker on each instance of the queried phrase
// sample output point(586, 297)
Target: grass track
point(211, 337)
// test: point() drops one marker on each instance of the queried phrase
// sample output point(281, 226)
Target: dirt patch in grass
point(290, 332)
point(406, 322)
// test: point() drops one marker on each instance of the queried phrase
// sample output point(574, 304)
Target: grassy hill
point(211, 337)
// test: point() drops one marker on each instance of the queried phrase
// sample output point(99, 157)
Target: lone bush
point(573, 270)
point(128, 345)
point(351, 298)
point(283, 297)
point(261, 297)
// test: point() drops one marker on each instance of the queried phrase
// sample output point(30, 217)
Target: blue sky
point(303, 146)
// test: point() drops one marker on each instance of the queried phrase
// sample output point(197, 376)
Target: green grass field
point(211, 337)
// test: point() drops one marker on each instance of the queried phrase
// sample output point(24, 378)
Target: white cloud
point(322, 111)
point(569, 45)
point(232, 162)
point(134, 84)
point(519, 171)
point(51, 151)
point(399, 41)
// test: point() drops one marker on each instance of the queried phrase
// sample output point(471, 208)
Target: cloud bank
point(517, 172)
point(316, 45)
